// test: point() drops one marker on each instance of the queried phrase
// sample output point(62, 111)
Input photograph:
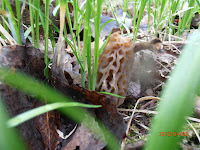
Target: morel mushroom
point(115, 66)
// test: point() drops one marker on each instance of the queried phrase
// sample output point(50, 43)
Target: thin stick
point(195, 131)
point(129, 123)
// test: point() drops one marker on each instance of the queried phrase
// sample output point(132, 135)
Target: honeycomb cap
point(115, 66)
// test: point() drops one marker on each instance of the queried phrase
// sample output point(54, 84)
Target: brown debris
point(46, 124)
point(39, 133)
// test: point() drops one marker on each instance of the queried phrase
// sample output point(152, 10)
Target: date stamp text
point(173, 133)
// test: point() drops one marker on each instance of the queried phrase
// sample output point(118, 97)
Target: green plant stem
point(70, 26)
point(46, 29)
point(62, 22)
point(37, 5)
point(73, 44)
point(135, 16)
point(17, 29)
point(163, 6)
point(75, 4)
point(76, 26)
point(89, 59)
point(85, 39)
point(17, 3)
point(32, 22)
point(149, 14)
point(96, 48)
point(4, 24)
point(113, 11)
point(156, 14)
point(143, 4)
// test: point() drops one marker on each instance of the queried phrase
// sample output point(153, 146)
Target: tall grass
point(164, 13)
point(187, 17)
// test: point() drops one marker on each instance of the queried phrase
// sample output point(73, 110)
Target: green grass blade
point(78, 37)
point(113, 11)
point(9, 139)
point(135, 16)
point(75, 53)
point(46, 34)
point(32, 22)
point(76, 25)
point(86, 41)
point(15, 121)
point(143, 4)
point(125, 5)
point(198, 2)
point(28, 30)
point(16, 28)
point(70, 26)
point(55, 11)
point(89, 59)
point(112, 94)
point(73, 44)
point(156, 13)
point(12, 29)
point(37, 5)
point(52, 40)
point(17, 4)
point(63, 5)
point(187, 17)
point(75, 5)
point(96, 48)
point(104, 44)
point(107, 23)
point(92, 8)
point(42, 17)
point(173, 8)
point(4, 8)
point(178, 98)
point(163, 6)
point(149, 14)
point(124, 13)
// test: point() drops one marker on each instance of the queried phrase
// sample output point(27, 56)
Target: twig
point(138, 110)
point(193, 119)
point(129, 123)
point(195, 131)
